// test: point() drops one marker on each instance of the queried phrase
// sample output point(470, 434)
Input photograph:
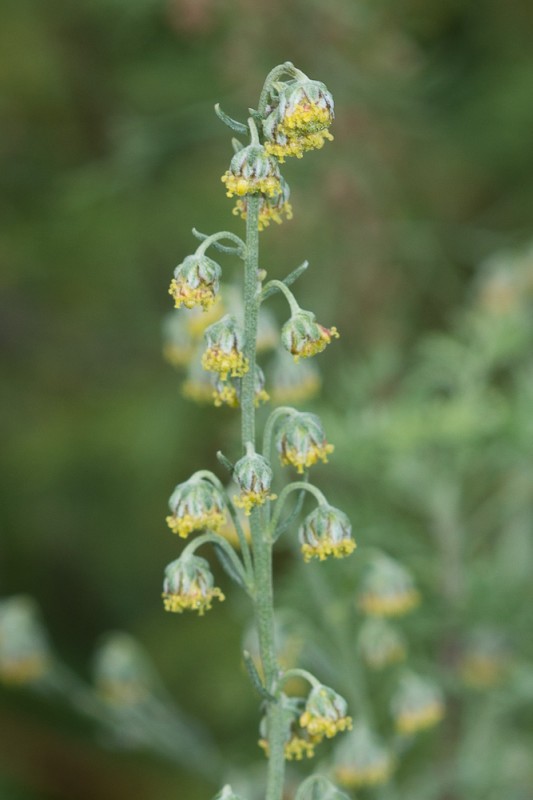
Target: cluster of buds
point(195, 504)
point(253, 475)
point(304, 337)
point(301, 441)
point(361, 761)
point(417, 704)
point(196, 282)
point(326, 531)
point(388, 589)
point(224, 353)
point(298, 117)
point(189, 585)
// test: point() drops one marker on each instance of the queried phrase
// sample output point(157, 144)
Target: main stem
point(261, 540)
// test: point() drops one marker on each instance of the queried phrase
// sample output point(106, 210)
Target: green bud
point(252, 171)
point(417, 704)
point(224, 354)
point(24, 651)
point(253, 475)
point(304, 337)
point(195, 504)
point(360, 760)
point(122, 672)
point(189, 584)
point(324, 532)
point(388, 589)
point(380, 643)
point(325, 713)
point(301, 441)
point(195, 282)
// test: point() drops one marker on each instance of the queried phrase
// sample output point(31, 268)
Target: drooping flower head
point(253, 475)
point(325, 713)
point(388, 589)
point(298, 118)
point(271, 208)
point(293, 382)
point(252, 171)
point(195, 282)
point(122, 673)
point(326, 531)
point(380, 643)
point(224, 353)
point(361, 760)
point(299, 743)
point(178, 347)
point(24, 651)
point(195, 504)
point(301, 441)
point(228, 392)
point(189, 585)
point(485, 659)
point(417, 704)
point(304, 337)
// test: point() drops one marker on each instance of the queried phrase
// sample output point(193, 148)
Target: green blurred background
point(111, 153)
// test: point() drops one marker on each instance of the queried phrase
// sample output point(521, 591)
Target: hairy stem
point(259, 522)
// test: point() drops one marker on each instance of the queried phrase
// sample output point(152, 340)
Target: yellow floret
point(193, 600)
point(303, 461)
point(327, 547)
point(185, 524)
point(216, 360)
point(392, 605)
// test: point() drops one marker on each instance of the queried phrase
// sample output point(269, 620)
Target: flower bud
point(485, 659)
point(388, 589)
point(122, 673)
point(301, 441)
point(380, 644)
point(417, 704)
point(271, 209)
point(195, 504)
point(254, 476)
point(325, 713)
point(326, 531)
point(298, 119)
point(360, 760)
point(229, 392)
point(299, 743)
point(24, 652)
point(303, 337)
point(293, 382)
point(195, 282)
point(178, 348)
point(252, 171)
point(189, 584)
point(224, 354)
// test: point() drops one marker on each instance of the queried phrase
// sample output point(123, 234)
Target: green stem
point(282, 411)
point(283, 69)
point(294, 487)
point(283, 288)
point(261, 543)
point(219, 541)
point(215, 237)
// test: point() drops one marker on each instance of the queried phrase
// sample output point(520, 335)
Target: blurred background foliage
point(415, 221)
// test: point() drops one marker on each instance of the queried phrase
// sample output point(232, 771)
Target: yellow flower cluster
point(357, 776)
point(319, 726)
point(410, 721)
point(187, 523)
point(268, 212)
point(313, 346)
point(240, 185)
point(305, 128)
point(188, 296)
point(295, 749)
point(304, 460)
point(233, 363)
point(195, 599)
point(389, 605)
point(327, 547)
point(249, 499)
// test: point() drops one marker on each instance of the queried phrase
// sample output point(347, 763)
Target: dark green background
point(110, 155)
